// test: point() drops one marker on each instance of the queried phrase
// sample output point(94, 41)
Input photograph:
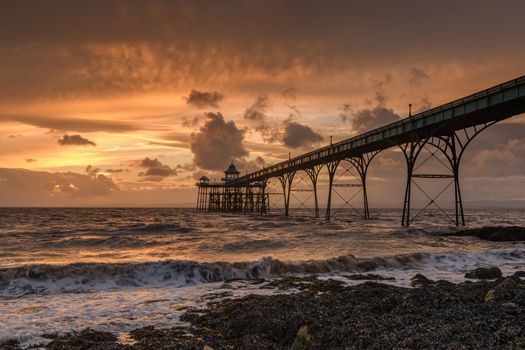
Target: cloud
point(201, 99)
point(416, 77)
point(290, 93)
point(346, 112)
point(92, 171)
point(217, 143)
point(256, 112)
point(69, 124)
point(31, 187)
point(75, 140)
point(368, 119)
point(191, 122)
point(155, 170)
point(298, 135)
point(186, 167)
point(150, 163)
point(115, 171)
point(500, 160)
point(148, 46)
point(30, 160)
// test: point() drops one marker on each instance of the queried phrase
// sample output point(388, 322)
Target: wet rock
point(510, 307)
point(369, 315)
point(444, 284)
point(419, 281)
point(505, 290)
point(520, 274)
point(484, 273)
point(86, 339)
point(9, 344)
point(227, 286)
point(496, 233)
point(389, 303)
point(369, 277)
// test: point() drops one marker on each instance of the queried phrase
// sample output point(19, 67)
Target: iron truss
point(440, 135)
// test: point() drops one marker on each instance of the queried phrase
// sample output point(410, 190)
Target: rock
point(484, 273)
point(504, 291)
point(520, 274)
point(227, 286)
point(498, 234)
point(206, 347)
point(444, 284)
point(302, 339)
point(86, 339)
point(369, 277)
point(419, 281)
point(388, 304)
point(511, 308)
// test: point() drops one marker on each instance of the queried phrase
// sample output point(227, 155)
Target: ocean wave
point(88, 277)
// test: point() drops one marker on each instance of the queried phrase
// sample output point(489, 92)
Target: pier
point(445, 132)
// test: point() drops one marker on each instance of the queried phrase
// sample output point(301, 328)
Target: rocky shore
point(494, 233)
point(327, 314)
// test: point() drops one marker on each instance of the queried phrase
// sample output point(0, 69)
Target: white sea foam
point(83, 277)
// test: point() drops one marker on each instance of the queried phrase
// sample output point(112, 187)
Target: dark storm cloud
point(368, 119)
point(202, 99)
point(69, 124)
point(155, 170)
point(56, 49)
point(257, 111)
point(217, 143)
point(298, 135)
point(28, 186)
point(75, 140)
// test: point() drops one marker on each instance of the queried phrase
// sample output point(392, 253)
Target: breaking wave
point(90, 277)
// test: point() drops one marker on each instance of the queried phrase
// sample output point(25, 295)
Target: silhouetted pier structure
point(223, 197)
point(446, 130)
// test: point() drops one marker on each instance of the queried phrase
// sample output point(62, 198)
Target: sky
point(126, 103)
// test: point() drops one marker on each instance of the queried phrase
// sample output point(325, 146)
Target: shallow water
point(119, 269)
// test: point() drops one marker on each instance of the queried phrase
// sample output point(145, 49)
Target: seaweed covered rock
point(420, 281)
point(324, 314)
point(510, 289)
point(484, 273)
point(87, 339)
point(495, 233)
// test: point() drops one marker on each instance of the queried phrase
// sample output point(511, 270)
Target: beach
point(152, 279)
point(325, 314)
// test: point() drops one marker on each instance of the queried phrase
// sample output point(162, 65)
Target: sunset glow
point(125, 84)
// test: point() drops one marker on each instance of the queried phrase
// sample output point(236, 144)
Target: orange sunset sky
point(126, 103)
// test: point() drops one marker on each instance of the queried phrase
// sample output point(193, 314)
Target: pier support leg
point(361, 164)
point(286, 182)
point(332, 168)
point(313, 173)
point(263, 205)
point(452, 146)
point(199, 190)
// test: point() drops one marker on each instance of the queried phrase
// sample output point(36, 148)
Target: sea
point(65, 269)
